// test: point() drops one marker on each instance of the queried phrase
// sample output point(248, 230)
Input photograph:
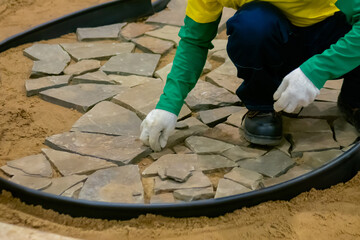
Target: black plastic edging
point(341, 169)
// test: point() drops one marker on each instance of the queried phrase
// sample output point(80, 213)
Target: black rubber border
point(341, 169)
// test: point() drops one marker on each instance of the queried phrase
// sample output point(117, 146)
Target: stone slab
point(219, 45)
point(305, 142)
point(247, 178)
point(108, 32)
point(213, 163)
point(227, 133)
point(43, 68)
point(215, 116)
point(162, 198)
point(170, 33)
point(70, 164)
point(47, 53)
point(292, 125)
point(98, 77)
point(284, 146)
point(318, 159)
point(37, 183)
point(99, 51)
point(119, 184)
point(142, 64)
point(61, 184)
point(189, 195)
point(334, 84)
point(236, 119)
point(227, 68)
point(156, 155)
point(227, 188)
point(133, 80)
point(109, 118)
point(73, 191)
point(179, 172)
point(12, 171)
point(174, 14)
point(328, 95)
point(133, 30)
point(320, 110)
point(230, 83)
point(345, 133)
point(153, 45)
point(238, 153)
point(181, 149)
point(119, 149)
point(204, 145)
point(36, 165)
point(163, 72)
point(220, 55)
point(34, 86)
point(291, 174)
point(82, 67)
point(81, 97)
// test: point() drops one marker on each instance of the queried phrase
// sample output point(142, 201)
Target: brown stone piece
point(162, 198)
point(204, 145)
point(238, 153)
point(231, 83)
point(108, 32)
point(34, 86)
point(292, 125)
point(36, 165)
point(73, 191)
point(133, 30)
point(82, 67)
point(227, 188)
point(291, 174)
point(179, 172)
point(37, 183)
point(345, 133)
point(217, 115)
point(132, 80)
point(227, 133)
point(236, 119)
point(12, 171)
point(170, 33)
point(305, 142)
point(334, 84)
point(317, 159)
point(189, 195)
point(157, 155)
point(328, 95)
point(248, 178)
point(60, 185)
point(174, 14)
point(153, 45)
point(320, 110)
point(181, 149)
point(98, 77)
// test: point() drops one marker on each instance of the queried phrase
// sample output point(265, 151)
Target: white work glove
point(296, 90)
point(156, 128)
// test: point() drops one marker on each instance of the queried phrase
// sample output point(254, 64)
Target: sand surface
point(25, 122)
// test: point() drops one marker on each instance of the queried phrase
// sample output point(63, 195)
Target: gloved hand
point(156, 128)
point(296, 90)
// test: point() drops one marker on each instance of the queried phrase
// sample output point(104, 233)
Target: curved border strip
point(341, 169)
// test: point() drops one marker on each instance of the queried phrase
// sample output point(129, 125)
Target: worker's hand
point(156, 128)
point(296, 90)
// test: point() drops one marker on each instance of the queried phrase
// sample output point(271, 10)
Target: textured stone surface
point(73, 191)
point(69, 163)
point(167, 33)
point(179, 172)
point(132, 80)
point(12, 171)
point(98, 77)
point(328, 95)
point(272, 164)
point(318, 159)
point(60, 185)
point(304, 142)
point(220, 55)
point(334, 84)
point(284, 146)
point(157, 155)
point(36, 165)
point(174, 14)
point(34, 86)
point(99, 33)
point(230, 83)
point(227, 133)
point(206, 95)
point(37, 183)
point(163, 72)
point(82, 96)
point(189, 195)
point(47, 53)
point(291, 174)
point(133, 30)
point(181, 149)
point(345, 133)
point(109, 118)
point(320, 110)
point(153, 45)
point(120, 149)
point(238, 153)
point(235, 119)
point(219, 45)
point(162, 198)
point(100, 51)
point(214, 116)
point(292, 125)
point(227, 188)
point(142, 64)
point(43, 68)
point(119, 184)
point(82, 67)
point(204, 145)
point(213, 163)
point(247, 178)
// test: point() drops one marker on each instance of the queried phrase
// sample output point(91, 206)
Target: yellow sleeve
point(204, 11)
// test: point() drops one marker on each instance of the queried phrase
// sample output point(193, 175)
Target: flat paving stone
point(206, 96)
point(214, 116)
point(43, 68)
point(320, 110)
point(181, 149)
point(156, 155)
point(34, 86)
point(98, 77)
point(204, 145)
point(36, 165)
point(119, 149)
point(334, 84)
point(284, 146)
point(119, 184)
point(108, 32)
point(227, 188)
point(328, 95)
point(133, 30)
point(81, 97)
point(47, 53)
point(213, 163)
point(82, 67)
point(142, 64)
point(163, 72)
point(60, 185)
point(109, 118)
point(235, 119)
point(73, 191)
point(227, 133)
point(133, 80)
point(99, 51)
point(189, 195)
point(231, 83)
point(174, 14)
point(220, 55)
point(291, 174)
point(12, 171)
point(238, 153)
point(227, 68)
point(292, 125)
point(245, 177)
point(317, 159)
point(153, 45)
point(37, 183)
point(179, 172)
point(162, 198)
point(70, 164)
point(345, 133)
point(272, 164)
point(219, 45)
point(170, 33)
point(305, 142)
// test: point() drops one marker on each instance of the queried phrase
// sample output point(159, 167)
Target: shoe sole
point(262, 140)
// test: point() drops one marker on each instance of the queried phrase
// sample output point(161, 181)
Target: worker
point(284, 50)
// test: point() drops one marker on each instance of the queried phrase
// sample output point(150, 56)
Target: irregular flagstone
point(317, 159)
point(153, 45)
point(69, 163)
point(99, 33)
point(109, 118)
point(305, 142)
point(181, 149)
point(292, 125)
point(206, 95)
point(226, 14)
point(133, 80)
point(81, 96)
point(189, 195)
point(98, 77)
point(238, 153)
point(204, 145)
point(12, 171)
point(142, 64)
point(207, 67)
point(37, 183)
point(181, 125)
point(47, 53)
point(82, 67)
point(235, 119)
point(133, 30)
point(73, 191)
point(36, 165)
point(334, 84)
point(320, 110)
point(60, 185)
point(157, 155)
point(43, 68)
point(174, 14)
point(227, 133)
point(220, 55)
point(247, 178)
point(227, 68)
point(272, 164)
point(197, 180)
point(214, 116)
point(291, 174)
point(227, 188)
point(212, 163)
point(345, 133)
point(119, 149)
point(328, 95)
point(163, 72)
point(167, 33)
point(228, 82)
point(284, 146)
point(119, 184)
point(219, 45)
point(162, 198)
point(179, 172)
point(99, 51)
point(34, 86)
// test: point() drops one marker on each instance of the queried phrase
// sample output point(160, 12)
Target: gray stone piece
point(219, 45)
point(60, 185)
point(37, 183)
point(227, 188)
point(272, 164)
point(334, 84)
point(100, 33)
point(213, 163)
point(306, 142)
point(179, 172)
point(181, 149)
point(227, 133)
point(317, 159)
point(220, 56)
point(119, 149)
point(133, 30)
point(174, 14)
point(163, 72)
point(34, 86)
point(284, 146)
point(119, 184)
point(133, 80)
point(73, 191)
point(99, 51)
point(181, 125)
point(156, 155)
point(197, 180)
point(206, 96)
point(204, 145)
point(170, 33)
point(231, 83)
point(98, 77)
point(328, 95)
point(82, 67)
point(207, 67)
point(142, 64)
point(109, 118)
point(162, 198)
point(247, 178)
point(70, 163)
point(320, 110)
point(291, 174)
point(214, 116)
point(189, 195)
point(345, 133)
point(36, 165)
point(153, 45)
point(47, 53)
point(238, 153)
point(292, 125)
point(43, 68)
point(227, 68)
point(12, 171)
point(81, 97)
point(235, 119)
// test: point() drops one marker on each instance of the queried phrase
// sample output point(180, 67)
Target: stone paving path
point(101, 157)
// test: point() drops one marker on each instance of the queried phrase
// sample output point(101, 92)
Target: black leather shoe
point(351, 114)
point(263, 128)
